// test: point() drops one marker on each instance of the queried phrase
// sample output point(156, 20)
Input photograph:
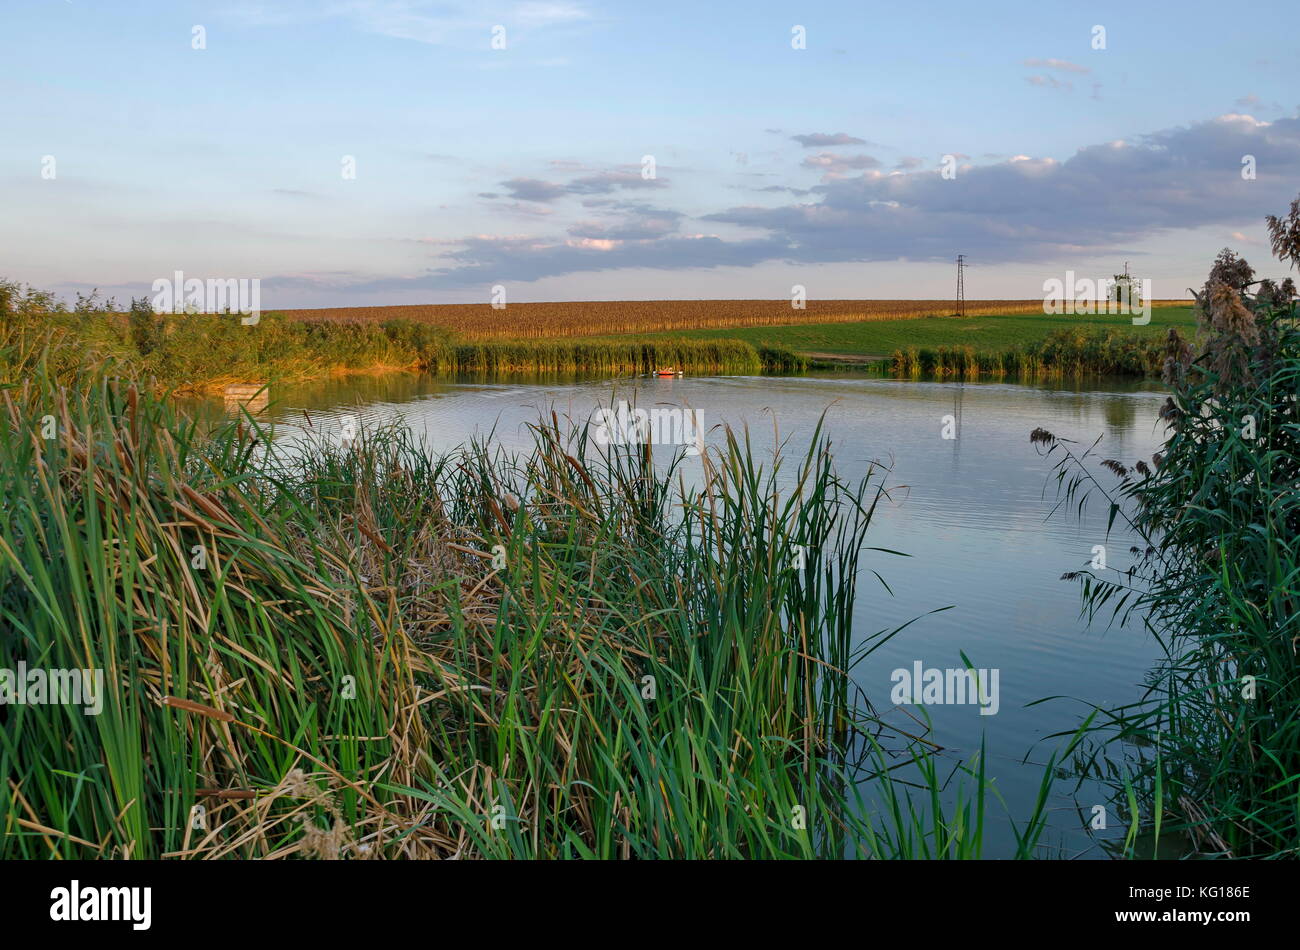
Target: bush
point(144, 325)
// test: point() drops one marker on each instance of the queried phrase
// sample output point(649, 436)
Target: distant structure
point(1124, 289)
point(961, 285)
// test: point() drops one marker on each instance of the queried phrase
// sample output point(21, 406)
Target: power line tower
point(961, 285)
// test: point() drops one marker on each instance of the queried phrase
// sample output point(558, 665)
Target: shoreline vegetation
point(201, 353)
point(1079, 352)
point(1212, 752)
point(371, 651)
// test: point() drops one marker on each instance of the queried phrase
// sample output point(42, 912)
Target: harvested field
point(604, 317)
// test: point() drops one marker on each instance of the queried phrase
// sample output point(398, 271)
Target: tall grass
point(1070, 352)
point(630, 356)
point(193, 351)
point(368, 650)
point(205, 351)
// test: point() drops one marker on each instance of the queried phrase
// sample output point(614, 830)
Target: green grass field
point(878, 339)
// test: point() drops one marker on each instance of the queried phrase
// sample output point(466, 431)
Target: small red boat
point(666, 372)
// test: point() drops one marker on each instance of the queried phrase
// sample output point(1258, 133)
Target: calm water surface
point(970, 512)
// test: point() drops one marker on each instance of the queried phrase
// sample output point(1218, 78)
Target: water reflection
point(972, 520)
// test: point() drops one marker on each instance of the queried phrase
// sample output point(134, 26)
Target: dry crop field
point(605, 317)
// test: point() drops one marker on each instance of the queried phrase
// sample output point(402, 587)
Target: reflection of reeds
point(371, 651)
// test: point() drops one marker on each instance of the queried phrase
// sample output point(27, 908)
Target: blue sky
point(522, 166)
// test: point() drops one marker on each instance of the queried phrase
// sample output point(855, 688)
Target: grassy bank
point(988, 332)
point(369, 651)
point(207, 351)
point(1073, 352)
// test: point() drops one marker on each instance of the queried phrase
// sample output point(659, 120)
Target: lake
point(970, 512)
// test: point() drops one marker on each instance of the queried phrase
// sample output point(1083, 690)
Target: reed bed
point(1070, 352)
point(1210, 758)
point(197, 352)
point(622, 356)
point(194, 351)
point(365, 650)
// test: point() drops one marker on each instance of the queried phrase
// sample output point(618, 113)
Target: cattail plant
point(369, 650)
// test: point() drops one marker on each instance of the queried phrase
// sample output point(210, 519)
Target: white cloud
point(1103, 198)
